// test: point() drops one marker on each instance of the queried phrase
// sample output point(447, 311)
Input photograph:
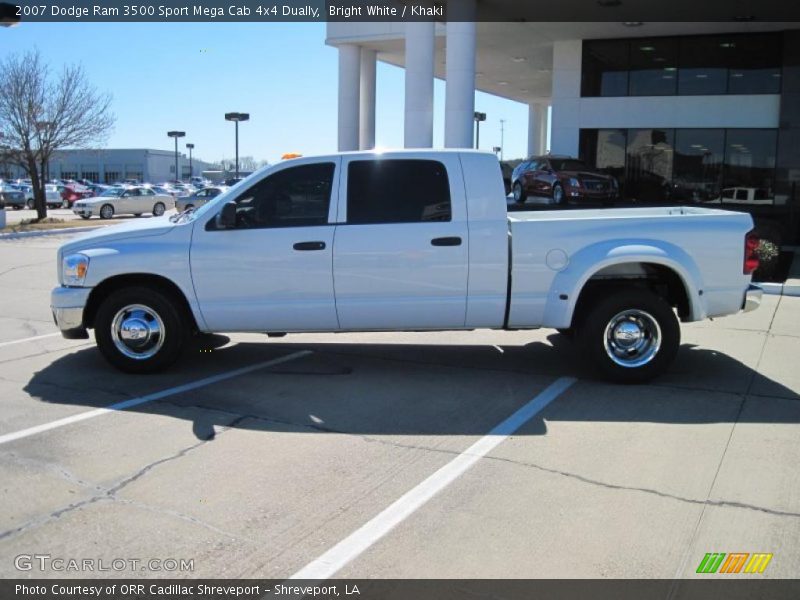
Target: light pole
point(236, 117)
point(191, 169)
point(176, 135)
point(479, 116)
point(502, 128)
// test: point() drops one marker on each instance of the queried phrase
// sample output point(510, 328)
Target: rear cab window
point(397, 191)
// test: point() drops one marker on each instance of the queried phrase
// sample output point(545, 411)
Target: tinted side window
point(397, 191)
point(294, 197)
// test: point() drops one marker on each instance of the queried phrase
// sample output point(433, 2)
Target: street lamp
point(176, 135)
point(191, 169)
point(479, 116)
point(236, 117)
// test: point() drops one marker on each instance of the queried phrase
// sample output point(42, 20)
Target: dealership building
point(677, 112)
point(112, 165)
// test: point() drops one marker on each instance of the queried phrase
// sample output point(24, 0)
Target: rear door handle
point(446, 241)
point(309, 246)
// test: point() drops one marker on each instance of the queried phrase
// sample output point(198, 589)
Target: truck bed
point(555, 251)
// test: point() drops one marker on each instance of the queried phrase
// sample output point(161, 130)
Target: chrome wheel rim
point(137, 331)
point(158, 209)
point(558, 194)
point(517, 192)
point(106, 212)
point(632, 338)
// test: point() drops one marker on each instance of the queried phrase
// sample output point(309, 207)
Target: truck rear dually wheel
point(140, 330)
point(630, 336)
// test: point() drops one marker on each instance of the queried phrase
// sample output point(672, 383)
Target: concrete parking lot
point(254, 457)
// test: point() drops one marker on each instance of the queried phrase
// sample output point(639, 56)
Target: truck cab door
point(273, 270)
point(400, 257)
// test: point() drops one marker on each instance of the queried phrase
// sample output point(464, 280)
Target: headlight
point(73, 269)
point(574, 182)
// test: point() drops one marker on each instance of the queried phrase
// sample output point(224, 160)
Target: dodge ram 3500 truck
point(399, 241)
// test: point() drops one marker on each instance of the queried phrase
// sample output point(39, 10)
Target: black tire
point(519, 193)
point(137, 214)
point(159, 209)
point(29, 204)
point(189, 207)
point(559, 199)
point(598, 345)
point(173, 338)
point(569, 332)
point(87, 217)
point(106, 211)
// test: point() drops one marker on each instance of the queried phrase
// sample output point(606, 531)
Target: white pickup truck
point(399, 241)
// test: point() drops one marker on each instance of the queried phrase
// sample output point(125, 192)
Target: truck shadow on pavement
point(414, 389)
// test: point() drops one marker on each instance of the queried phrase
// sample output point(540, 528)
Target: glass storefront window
point(654, 66)
point(648, 170)
point(605, 150)
point(703, 65)
point(748, 63)
point(750, 166)
point(680, 166)
point(605, 69)
point(754, 66)
point(697, 174)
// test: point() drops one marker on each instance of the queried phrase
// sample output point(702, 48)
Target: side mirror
point(226, 219)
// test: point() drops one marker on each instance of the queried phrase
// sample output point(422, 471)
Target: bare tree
point(40, 114)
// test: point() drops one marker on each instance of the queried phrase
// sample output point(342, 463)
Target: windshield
point(226, 193)
point(113, 192)
point(567, 164)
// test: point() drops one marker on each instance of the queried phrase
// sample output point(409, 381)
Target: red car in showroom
point(564, 180)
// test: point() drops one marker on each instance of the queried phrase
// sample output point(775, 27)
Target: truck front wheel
point(139, 330)
point(630, 336)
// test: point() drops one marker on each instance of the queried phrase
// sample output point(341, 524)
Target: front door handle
point(309, 246)
point(446, 241)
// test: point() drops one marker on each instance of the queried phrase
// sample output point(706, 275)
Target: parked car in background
point(98, 188)
point(12, 196)
point(198, 198)
point(563, 179)
point(51, 194)
point(73, 192)
point(744, 195)
point(124, 201)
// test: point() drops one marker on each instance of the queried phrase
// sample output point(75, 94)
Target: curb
point(24, 234)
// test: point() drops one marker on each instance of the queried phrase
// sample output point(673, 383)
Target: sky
point(186, 76)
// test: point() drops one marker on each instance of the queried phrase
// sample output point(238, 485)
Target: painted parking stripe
point(28, 339)
point(187, 387)
point(361, 539)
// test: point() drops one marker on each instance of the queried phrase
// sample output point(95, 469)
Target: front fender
point(587, 262)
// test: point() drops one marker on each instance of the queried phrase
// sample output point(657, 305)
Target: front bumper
point(82, 212)
point(752, 298)
point(67, 305)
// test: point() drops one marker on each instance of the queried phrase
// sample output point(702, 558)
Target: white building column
point(366, 117)
point(420, 53)
point(349, 94)
point(460, 93)
point(537, 128)
point(565, 128)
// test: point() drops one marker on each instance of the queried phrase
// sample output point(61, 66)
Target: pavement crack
point(188, 518)
point(105, 494)
point(38, 264)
